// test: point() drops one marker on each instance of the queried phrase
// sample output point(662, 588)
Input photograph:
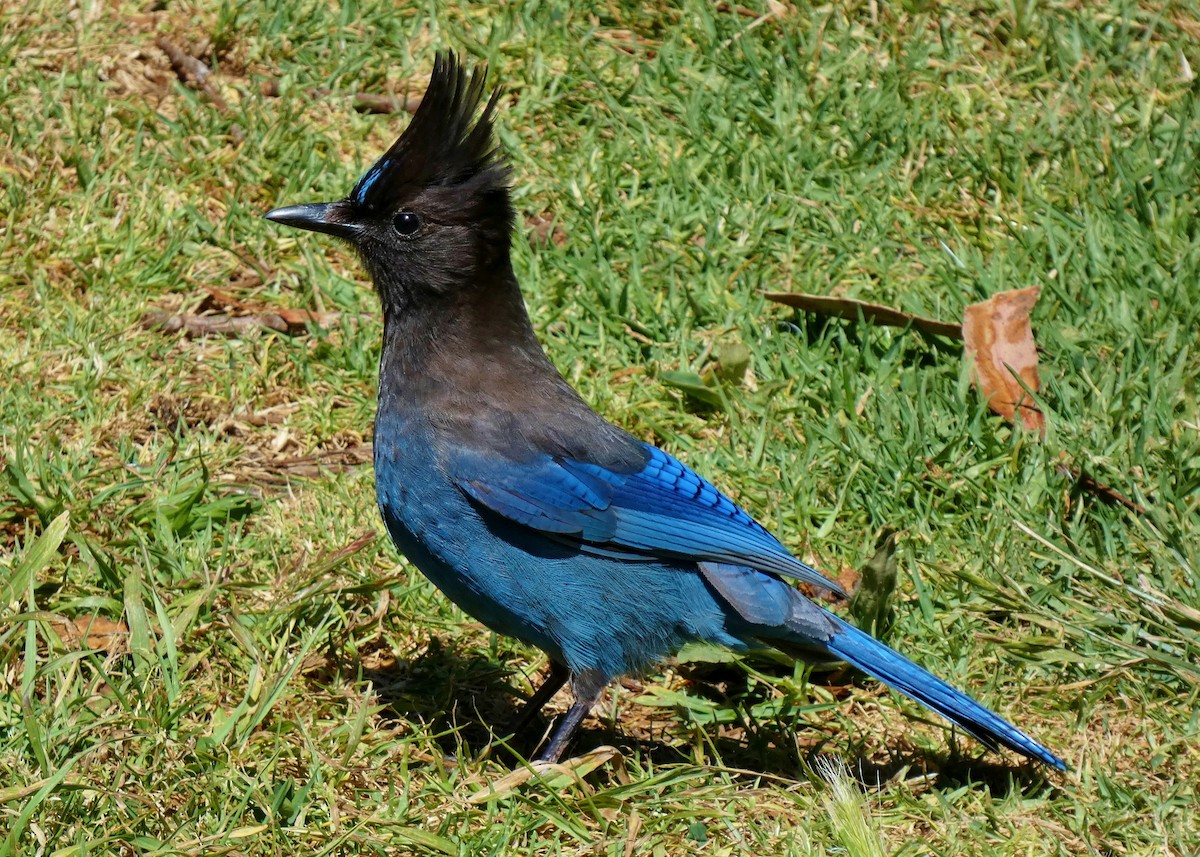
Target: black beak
point(332, 218)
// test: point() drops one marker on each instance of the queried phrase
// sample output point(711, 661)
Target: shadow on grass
point(470, 705)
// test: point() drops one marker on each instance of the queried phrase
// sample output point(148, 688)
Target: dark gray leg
point(587, 688)
point(554, 680)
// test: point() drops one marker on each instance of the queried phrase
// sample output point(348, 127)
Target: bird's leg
point(587, 687)
point(554, 681)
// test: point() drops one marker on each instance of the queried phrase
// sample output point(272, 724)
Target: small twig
point(368, 102)
point(214, 325)
point(335, 460)
point(297, 320)
point(192, 72)
point(1109, 495)
point(726, 8)
point(851, 309)
point(364, 102)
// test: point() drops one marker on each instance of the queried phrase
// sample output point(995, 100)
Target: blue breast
point(588, 612)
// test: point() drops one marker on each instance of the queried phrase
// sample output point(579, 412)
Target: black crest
point(443, 145)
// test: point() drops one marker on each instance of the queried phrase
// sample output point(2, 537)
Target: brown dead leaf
point(296, 321)
point(851, 309)
point(543, 229)
point(221, 313)
point(93, 632)
point(1000, 347)
point(848, 578)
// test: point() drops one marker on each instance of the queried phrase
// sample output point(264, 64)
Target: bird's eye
point(407, 224)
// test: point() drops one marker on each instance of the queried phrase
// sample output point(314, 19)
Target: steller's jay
point(522, 504)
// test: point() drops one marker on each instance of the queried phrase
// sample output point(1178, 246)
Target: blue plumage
point(663, 508)
point(515, 498)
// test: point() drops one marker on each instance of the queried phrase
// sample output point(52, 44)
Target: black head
point(432, 216)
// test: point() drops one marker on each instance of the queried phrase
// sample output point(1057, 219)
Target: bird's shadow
point(469, 704)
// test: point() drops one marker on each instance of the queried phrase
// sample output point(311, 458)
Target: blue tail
point(893, 669)
point(778, 615)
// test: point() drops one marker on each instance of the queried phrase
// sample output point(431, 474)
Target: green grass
point(288, 685)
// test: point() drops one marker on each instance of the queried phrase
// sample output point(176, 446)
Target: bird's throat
point(474, 346)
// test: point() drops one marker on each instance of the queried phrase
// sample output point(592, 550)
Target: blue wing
point(664, 510)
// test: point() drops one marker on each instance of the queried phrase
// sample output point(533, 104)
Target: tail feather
point(893, 669)
point(770, 611)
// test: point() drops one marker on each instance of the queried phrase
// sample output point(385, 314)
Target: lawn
point(207, 643)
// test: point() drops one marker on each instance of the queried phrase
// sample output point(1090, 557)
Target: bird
point(522, 504)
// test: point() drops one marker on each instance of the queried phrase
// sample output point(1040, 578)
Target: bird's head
point(432, 216)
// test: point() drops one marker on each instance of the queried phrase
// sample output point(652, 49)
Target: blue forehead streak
point(369, 178)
